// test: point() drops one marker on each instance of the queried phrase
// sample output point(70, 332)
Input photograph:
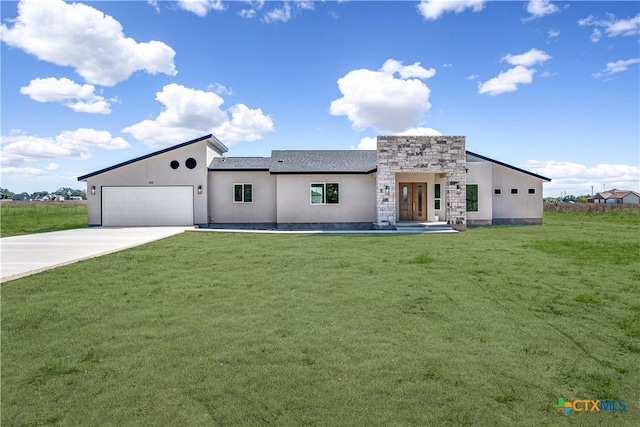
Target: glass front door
point(413, 201)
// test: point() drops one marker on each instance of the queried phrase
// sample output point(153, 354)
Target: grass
point(486, 327)
point(18, 218)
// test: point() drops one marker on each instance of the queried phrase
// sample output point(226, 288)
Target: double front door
point(413, 201)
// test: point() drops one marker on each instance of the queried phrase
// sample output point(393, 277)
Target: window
point(514, 191)
point(472, 198)
point(191, 163)
point(497, 191)
point(531, 191)
point(242, 193)
point(325, 193)
point(436, 196)
point(437, 204)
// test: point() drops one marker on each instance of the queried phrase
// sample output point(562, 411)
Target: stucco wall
point(523, 205)
point(155, 171)
point(480, 173)
point(222, 208)
point(357, 199)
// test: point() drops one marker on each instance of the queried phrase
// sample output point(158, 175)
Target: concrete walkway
point(24, 255)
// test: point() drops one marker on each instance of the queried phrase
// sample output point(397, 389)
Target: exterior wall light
point(93, 189)
point(386, 190)
point(199, 189)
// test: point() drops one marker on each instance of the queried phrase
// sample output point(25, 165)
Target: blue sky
point(549, 86)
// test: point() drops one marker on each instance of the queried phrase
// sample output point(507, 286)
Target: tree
point(6, 194)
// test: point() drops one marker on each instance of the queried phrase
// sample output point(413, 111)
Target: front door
point(413, 201)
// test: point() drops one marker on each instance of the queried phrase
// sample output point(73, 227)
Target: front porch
point(421, 178)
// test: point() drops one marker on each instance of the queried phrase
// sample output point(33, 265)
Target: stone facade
point(430, 154)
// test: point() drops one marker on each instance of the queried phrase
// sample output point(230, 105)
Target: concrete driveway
point(33, 253)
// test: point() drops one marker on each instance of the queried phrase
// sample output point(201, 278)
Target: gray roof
point(321, 161)
point(240, 163)
point(303, 161)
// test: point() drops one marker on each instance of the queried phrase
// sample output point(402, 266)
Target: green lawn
point(17, 218)
point(488, 327)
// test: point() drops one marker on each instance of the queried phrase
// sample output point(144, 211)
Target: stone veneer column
point(433, 154)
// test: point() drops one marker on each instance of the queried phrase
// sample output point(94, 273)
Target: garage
point(147, 206)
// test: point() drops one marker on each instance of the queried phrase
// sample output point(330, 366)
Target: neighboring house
point(615, 196)
point(407, 179)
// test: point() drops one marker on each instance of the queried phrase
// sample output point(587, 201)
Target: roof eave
point(214, 141)
point(544, 178)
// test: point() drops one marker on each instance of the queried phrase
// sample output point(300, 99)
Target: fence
point(587, 207)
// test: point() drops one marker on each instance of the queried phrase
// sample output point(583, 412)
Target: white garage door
point(144, 206)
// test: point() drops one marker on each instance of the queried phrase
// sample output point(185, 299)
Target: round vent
point(191, 163)
point(175, 164)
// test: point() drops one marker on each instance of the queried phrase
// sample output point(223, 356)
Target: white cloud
point(80, 98)
point(577, 179)
point(253, 7)
point(287, 11)
point(420, 131)
point(52, 166)
point(201, 7)
point(553, 33)
point(154, 4)
point(612, 27)
point(380, 100)
point(24, 173)
point(190, 113)
point(220, 89)
point(84, 38)
point(538, 8)
point(392, 66)
point(472, 77)
point(371, 143)
point(366, 143)
point(507, 81)
point(284, 12)
point(245, 125)
point(78, 144)
point(528, 59)
point(433, 9)
point(616, 67)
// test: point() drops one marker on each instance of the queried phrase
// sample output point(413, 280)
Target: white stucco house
point(407, 179)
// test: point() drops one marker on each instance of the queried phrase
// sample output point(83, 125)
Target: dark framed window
point(191, 163)
point(531, 191)
point(472, 198)
point(174, 164)
point(437, 204)
point(497, 191)
point(325, 193)
point(514, 191)
point(436, 191)
point(242, 193)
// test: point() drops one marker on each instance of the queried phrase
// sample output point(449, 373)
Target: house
point(615, 196)
point(407, 179)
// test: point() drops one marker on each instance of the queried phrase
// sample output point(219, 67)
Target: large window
point(472, 198)
point(325, 193)
point(242, 193)
point(436, 196)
